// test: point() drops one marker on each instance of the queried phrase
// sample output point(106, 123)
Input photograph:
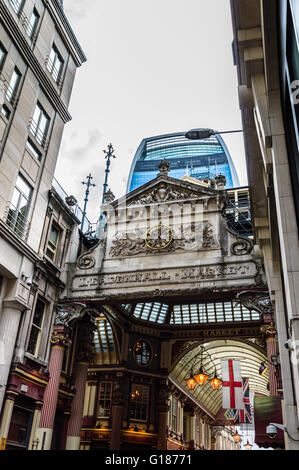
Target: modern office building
point(200, 159)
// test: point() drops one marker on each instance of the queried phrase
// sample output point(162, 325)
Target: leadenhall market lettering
point(203, 273)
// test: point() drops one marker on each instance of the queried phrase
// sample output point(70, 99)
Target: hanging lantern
point(248, 446)
point(215, 382)
point(236, 437)
point(201, 377)
point(191, 382)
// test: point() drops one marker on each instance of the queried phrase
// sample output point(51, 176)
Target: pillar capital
point(38, 405)
point(60, 337)
point(10, 395)
point(268, 331)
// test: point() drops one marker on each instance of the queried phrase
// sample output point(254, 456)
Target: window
point(40, 124)
point(2, 55)
point(105, 394)
point(19, 207)
point(32, 23)
point(138, 409)
point(5, 111)
point(37, 323)
point(143, 353)
point(55, 63)
point(32, 148)
point(174, 414)
point(17, 5)
point(13, 85)
point(53, 242)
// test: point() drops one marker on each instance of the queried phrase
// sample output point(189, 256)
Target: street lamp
point(248, 446)
point(201, 133)
point(201, 377)
point(236, 437)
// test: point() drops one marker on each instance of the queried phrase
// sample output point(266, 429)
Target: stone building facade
point(39, 56)
point(156, 293)
point(266, 56)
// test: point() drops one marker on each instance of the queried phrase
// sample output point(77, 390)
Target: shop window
point(104, 404)
point(20, 425)
point(139, 401)
point(174, 415)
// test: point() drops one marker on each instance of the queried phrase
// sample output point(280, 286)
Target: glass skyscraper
point(200, 159)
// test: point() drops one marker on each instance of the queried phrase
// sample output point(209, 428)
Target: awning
point(267, 410)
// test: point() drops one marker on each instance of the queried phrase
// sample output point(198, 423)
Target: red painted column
point(75, 421)
point(271, 343)
point(60, 340)
point(85, 353)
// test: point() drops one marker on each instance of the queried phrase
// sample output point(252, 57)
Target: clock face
point(159, 237)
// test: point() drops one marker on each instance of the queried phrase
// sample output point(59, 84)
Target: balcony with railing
point(16, 5)
point(7, 92)
point(38, 133)
point(25, 22)
point(54, 71)
point(16, 220)
point(29, 28)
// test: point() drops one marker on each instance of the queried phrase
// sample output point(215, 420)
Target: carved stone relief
point(163, 193)
point(134, 243)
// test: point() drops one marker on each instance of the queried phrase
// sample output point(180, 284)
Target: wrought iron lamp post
point(109, 153)
point(88, 185)
point(201, 134)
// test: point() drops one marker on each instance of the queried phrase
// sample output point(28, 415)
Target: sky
point(153, 67)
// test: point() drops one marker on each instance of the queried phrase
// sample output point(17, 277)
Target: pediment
point(165, 189)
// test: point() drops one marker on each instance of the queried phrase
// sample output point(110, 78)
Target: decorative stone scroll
point(242, 245)
point(87, 260)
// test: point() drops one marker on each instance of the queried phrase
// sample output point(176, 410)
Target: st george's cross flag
point(232, 385)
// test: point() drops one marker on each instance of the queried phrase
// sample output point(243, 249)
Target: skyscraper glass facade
point(200, 159)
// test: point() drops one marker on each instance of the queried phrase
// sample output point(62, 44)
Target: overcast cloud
point(153, 67)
